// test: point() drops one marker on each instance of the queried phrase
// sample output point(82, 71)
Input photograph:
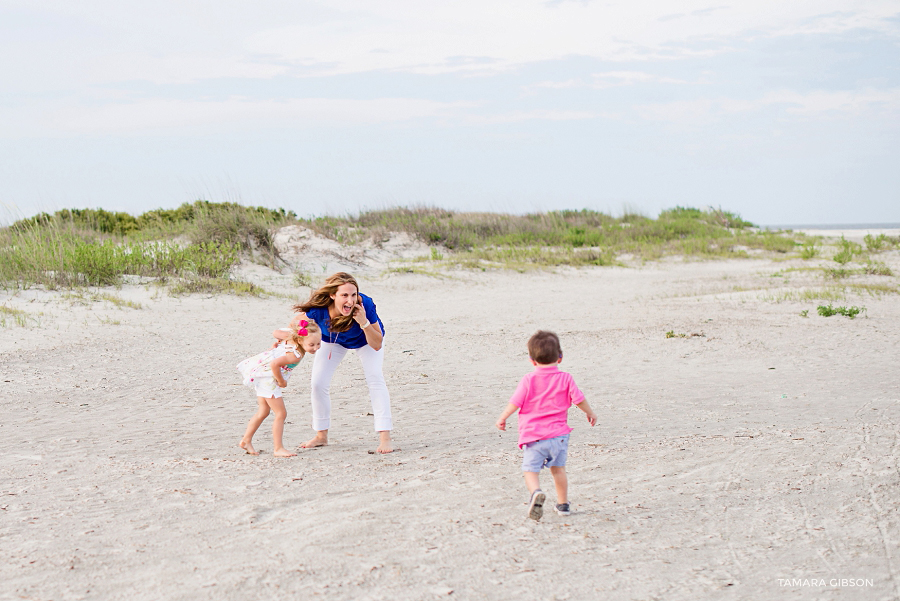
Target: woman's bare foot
point(385, 445)
point(319, 440)
point(248, 447)
point(282, 452)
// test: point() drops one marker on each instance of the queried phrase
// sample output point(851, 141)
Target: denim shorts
point(550, 452)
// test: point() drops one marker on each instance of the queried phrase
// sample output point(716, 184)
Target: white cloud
point(161, 116)
point(533, 115)
point(841, 102)
point(608, 79)
point(165, 116)
point(72, 43)
point(821, 104)
point(414, 36)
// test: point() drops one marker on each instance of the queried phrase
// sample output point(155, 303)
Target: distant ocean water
point(835, 226)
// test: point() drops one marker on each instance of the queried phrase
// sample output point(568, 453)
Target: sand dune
point(758, 447)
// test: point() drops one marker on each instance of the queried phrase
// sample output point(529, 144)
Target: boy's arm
point(501, 421)
point(591, 416)
point(276, 366)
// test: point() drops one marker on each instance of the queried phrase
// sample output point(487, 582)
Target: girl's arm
point(276, 366)
point(374, 336)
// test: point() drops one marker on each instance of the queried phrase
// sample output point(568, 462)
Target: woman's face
point(345, 299)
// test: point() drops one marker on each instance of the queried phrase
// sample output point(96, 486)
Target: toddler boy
point(542, 400)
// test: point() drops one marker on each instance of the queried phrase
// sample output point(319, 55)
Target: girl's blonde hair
point(311, 328)
point(322, 298)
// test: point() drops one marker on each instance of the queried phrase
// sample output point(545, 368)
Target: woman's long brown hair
point(322, 298)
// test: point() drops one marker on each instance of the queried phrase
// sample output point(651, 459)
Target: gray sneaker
point(563, 509)
point(536, 506)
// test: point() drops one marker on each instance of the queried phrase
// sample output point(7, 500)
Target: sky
point(782, 112)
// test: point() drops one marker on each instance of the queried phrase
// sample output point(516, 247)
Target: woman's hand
point(372, 330)
point(359, 315)
point(280, 336)
point(374, 336)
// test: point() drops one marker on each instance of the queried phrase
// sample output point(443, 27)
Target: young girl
point(267, 373)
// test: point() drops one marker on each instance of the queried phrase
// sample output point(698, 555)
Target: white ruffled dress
point(258, 375)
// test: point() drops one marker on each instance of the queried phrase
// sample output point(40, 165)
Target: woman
point(348, 322)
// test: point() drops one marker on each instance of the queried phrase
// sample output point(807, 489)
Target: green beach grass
point(556, 238)
point(92, 247)
point(196, 246)
point(10, 316)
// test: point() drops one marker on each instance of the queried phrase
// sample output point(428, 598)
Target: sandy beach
point(752, 455)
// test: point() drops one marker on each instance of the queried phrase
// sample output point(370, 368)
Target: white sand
point(763, 448)
point(856, 234)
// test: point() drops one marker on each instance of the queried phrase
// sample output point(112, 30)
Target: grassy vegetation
point(526, 257)
point(846, 254)
point(200, 221)
point(92, 247)
point(488, 236)
point(837, 273)
point(58, 258)
point(848, 250)
point(870, 268)
point(832, 293)
point(10, 316)
point(874, 289)
point(829, 293)
point(809, 250)
point(215, 285)
point(829, 310)
point(877, 268)
point(881, 242)
point(83, 298)
point(422, 271)
point(195, 247)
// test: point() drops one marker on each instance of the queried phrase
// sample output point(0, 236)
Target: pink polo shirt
point(543, 398)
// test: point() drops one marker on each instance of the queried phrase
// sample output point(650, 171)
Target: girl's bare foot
point(319, 440)
point(282, 452)
point(385, 445)
point(248, 447)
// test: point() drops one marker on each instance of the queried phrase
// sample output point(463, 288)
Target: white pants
point(322, 371)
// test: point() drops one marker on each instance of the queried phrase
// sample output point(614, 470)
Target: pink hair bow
point(303, 331)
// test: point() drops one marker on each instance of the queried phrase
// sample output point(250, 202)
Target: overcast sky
point(784, 112)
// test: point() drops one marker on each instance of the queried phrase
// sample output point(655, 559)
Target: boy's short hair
point(544, 347)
